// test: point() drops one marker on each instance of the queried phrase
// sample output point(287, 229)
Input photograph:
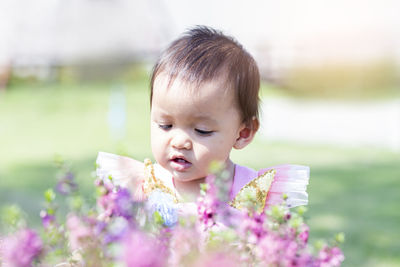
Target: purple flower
point(117, 203)
point(22, 248)
point(116, 230)
point(47, 219)
point(66, 184)
point(99, 227)
point(123, 203)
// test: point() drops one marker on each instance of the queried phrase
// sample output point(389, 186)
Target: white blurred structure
point(58, 32)
point(278, 33)
point(351, 124)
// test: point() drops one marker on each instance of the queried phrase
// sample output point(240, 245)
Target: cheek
point(156, 134)
point(225, 146)
point(157, 142)
point(216, 150)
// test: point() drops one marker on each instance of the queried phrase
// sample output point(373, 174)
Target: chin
point(184, 178)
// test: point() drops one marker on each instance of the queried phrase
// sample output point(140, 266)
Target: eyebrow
point(205, 118)
point(160, 112)
point(163, 114)
point(200, 117)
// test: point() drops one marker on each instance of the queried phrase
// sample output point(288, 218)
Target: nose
point(181, 140)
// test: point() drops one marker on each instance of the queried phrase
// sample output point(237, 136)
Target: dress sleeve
point(291, 180)
point(125, 172)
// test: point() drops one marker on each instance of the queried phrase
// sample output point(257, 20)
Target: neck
point(190, 190)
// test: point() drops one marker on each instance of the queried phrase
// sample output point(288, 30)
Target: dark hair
point(203, 54)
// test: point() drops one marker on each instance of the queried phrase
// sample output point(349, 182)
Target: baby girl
point(204, 102)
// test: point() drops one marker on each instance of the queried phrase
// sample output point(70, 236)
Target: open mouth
point(180, 163)
point(180, 160)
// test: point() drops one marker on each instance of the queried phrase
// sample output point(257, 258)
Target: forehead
point(164, 84)
point(204, 99)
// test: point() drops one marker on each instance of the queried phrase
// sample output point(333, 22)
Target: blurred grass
point(354, 190)
point(376, 79)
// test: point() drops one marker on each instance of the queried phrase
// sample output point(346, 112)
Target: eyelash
point(201, 132)
point(166, 127)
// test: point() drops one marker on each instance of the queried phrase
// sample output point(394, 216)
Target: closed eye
point(202, 132)
point(165, 127)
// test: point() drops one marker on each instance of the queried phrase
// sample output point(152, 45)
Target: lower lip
point(180, 166)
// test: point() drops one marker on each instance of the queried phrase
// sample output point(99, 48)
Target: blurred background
point(74, 79)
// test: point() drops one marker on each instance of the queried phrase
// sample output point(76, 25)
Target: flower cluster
point(119, 230)
point(114, 201)
point(22, 248)
point(208, 203)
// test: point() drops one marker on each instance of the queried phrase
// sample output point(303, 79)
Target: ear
point(246, 133)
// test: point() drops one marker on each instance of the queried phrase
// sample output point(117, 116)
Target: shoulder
point(242, 176)
point(123, 170)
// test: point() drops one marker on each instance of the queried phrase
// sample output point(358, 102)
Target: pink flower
point(275, 249)
point(269, 248)
point(330, 257)
point(218, 260)
point(207, 204)
point(206, 209)
point(21, 249)
point(141, 250)
point(184, 242)
point(78, 231)
point(303, 236)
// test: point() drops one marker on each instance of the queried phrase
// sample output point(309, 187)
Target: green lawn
point(351, 190)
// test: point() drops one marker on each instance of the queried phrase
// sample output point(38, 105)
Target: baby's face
point(192, 127)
